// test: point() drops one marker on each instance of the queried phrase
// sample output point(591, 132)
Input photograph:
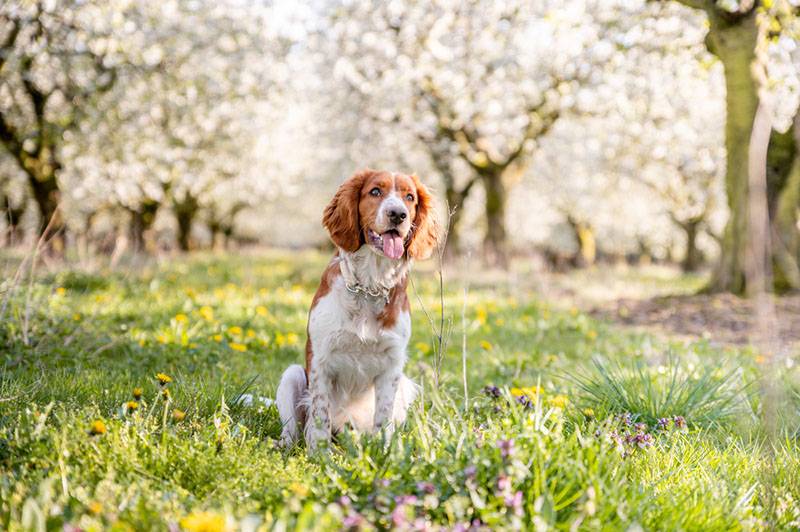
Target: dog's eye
point(375, 191)
point(409, 197)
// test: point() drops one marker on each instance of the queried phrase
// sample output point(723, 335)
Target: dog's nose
point(397, 216)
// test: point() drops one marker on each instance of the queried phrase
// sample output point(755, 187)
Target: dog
point(359, 323)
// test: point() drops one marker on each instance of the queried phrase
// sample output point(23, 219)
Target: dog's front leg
point(318, 425)
point(385, 390)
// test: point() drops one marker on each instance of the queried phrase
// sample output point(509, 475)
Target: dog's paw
point(317, 440)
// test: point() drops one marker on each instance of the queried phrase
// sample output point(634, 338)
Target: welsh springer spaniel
point(359, 323)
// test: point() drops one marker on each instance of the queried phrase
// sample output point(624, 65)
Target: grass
point(712, 393)
point(546, 439)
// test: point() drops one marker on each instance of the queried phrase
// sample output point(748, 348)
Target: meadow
point(134, 399)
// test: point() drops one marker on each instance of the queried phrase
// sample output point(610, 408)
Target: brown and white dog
point(359, 323)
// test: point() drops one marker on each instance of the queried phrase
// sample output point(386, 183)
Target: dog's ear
point(425, 228)
point(341, 214)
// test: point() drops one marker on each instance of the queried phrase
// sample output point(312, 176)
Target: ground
point(659, 299)
point(121, 407)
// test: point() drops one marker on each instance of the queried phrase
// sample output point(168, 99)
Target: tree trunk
point(734, 44)
point(227, 237)
point(693, 258)
point(141, 221)
point(185, 212)
point(136, 230)
point(219, 241)
point(495, 242)
point(215, 228)
point(783, 174)
point(47, 195)
point(645, 252)
point(455, 197)
point(585, 240)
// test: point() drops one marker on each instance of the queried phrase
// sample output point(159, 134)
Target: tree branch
point(705, 5)
point(9, 136)
point(8, 43)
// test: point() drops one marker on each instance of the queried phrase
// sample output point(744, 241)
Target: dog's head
point(390, 212)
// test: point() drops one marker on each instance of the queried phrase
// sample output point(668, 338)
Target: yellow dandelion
point(97, 427)
point(423, 347)
point(207, 313)
point(76, 317)
point(137, 393)
point(485, 344)
point(298, 489)
point(292, 338)
point(203, 522)
point(178, 415)
point(591, 335)
point(217, 337)
point(163, 379)
point(760, 359)
point(61, 290)
point(551, 359)
point(238, 347)
point(141, 342)
point(251, 333)
point(558, 401)
point(588, 412)
point(132, 406)
point(529, 391)
point(235, 330)
point(181, 318)
point(95, 507)
point(481, 315)
point(262, 311)
point(166, 394)
point(162, 339)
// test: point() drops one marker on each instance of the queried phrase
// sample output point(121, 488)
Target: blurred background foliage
point(564, 132)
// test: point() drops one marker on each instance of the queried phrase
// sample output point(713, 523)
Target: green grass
point(555, 445)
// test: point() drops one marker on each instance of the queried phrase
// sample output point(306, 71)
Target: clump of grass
point(706, 395)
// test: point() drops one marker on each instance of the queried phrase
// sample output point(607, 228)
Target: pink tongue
point(392, 245)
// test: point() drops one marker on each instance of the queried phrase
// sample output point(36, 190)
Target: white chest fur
point(353, 348)
point(348, 339)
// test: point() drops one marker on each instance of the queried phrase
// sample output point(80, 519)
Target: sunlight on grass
point(134, 416)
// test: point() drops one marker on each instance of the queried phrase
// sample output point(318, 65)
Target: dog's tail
point(289, 397)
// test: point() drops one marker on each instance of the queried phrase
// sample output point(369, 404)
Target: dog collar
point(358, 288)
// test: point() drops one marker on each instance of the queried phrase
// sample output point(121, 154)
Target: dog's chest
point(347, 333)
point(354, 321)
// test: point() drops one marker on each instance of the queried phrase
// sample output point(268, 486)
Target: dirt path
point(723, 319)
point(664, 301)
